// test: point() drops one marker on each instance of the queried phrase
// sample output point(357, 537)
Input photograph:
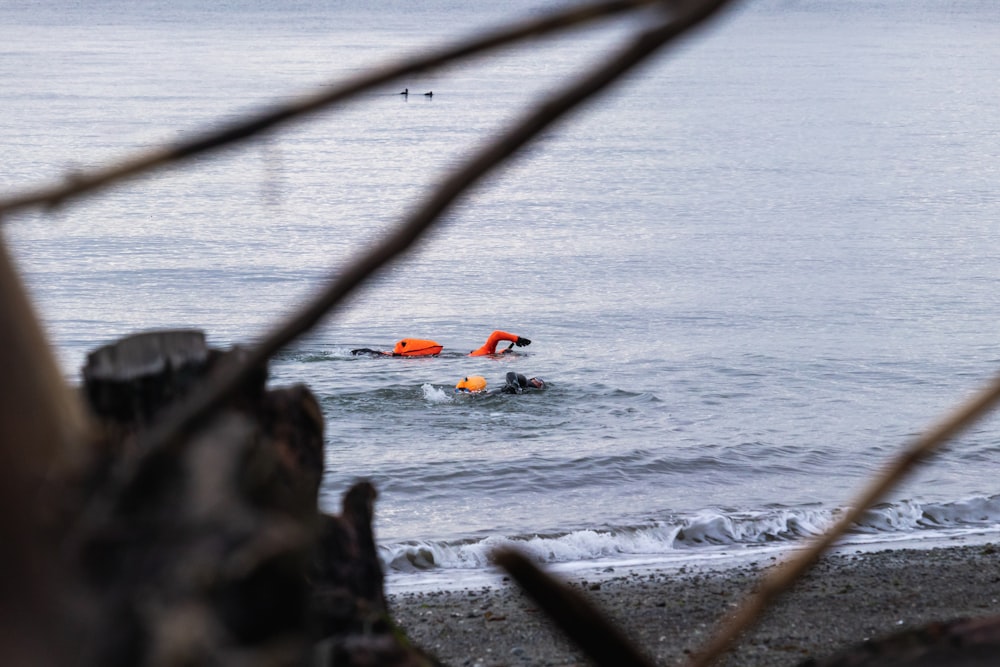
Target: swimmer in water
point(420, 347)
point(515, 384)
point(518, 384)
point(490, 346)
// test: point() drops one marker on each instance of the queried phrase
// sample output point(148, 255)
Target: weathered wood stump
point(130, 380)
point(215, 552)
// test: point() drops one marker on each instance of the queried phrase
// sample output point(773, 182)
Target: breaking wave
point(690, 534)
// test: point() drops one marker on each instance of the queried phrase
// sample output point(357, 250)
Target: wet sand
point(845, 600)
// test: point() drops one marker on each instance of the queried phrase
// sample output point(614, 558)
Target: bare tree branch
point(88, 182)
point(481, 163)
point(602, 642)
point(782, 578)
point(42, 425)
point(168, 435)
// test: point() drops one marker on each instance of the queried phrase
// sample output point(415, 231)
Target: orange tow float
point(416, 347)
point(472, 384)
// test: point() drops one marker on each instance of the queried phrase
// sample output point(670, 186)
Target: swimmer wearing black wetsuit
point(518, 384)
point(515, 384)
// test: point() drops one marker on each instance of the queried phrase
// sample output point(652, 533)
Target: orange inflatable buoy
point(471, 384)
point(416, 347)
point(490, 346)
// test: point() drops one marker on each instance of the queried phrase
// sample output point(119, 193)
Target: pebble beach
point(845, 600)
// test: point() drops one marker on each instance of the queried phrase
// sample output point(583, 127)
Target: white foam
point(434, 394)
point(706, 534)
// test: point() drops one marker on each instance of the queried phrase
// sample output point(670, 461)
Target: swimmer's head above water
point(518, 384)
point(515, 384)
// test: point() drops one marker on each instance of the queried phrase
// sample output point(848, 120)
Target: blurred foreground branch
point(42, 427)
point(89, 182)
point(172, 434)
point(41, 436)
point(573, 614)
point(170, 430)
point(783, 577)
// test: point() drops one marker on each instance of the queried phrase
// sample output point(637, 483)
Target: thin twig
point(91, 181)
point(572, 613)
point(782, 578)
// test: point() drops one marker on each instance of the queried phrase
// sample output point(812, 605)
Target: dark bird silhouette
point(429, 94)
point(406, 91)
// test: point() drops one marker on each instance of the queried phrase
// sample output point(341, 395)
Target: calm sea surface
point(750, 273)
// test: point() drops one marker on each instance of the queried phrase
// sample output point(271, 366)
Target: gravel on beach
point(845, 600)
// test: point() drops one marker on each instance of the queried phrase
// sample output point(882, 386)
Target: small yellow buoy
point(471, 384)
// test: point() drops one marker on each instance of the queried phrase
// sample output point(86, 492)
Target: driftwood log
point(216, 553)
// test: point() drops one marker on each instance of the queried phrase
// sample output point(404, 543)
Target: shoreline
point(844, 600)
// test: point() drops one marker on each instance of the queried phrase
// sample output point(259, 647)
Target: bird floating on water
point(429, 94)
point(406, 91)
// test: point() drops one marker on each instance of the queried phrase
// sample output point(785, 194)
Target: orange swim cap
point(472, 383)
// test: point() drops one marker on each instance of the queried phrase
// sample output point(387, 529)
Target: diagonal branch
point(782, 578)
point(482, 162)
point(88, 182)
point(582, 623)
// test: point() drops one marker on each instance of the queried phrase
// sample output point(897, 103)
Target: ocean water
point(750, 273)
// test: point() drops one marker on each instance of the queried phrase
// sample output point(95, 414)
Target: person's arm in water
point(490, 346)
point(368, 352)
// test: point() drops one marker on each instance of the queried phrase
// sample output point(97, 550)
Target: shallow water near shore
point(750, 273)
